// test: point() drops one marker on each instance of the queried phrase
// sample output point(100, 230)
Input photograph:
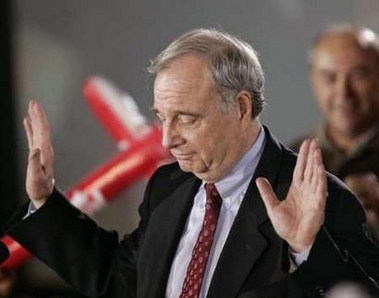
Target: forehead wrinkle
point(177, 86)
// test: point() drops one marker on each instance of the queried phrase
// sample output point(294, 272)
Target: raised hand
point(298, 218)
point(40, 170)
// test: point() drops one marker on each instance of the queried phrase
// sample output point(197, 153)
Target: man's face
point(201, 135)
point(345, 81)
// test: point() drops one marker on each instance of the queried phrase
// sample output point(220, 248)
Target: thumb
point(269, 198)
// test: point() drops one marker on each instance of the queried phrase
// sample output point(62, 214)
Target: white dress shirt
point(232, 189)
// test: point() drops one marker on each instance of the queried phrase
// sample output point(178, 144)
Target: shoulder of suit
point(170, 175)
point(168, 170)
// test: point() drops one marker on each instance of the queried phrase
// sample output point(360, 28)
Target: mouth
point(347, 110)
point(182, 156)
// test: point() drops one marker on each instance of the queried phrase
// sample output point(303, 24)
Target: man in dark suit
point(211, 223)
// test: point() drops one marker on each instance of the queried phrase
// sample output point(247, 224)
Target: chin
point(200, 172)
point(186, 167)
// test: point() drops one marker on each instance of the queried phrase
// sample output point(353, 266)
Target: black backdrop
point(8, 193)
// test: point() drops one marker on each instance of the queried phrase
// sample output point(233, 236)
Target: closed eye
point(359, 74)
point(328, 77)
point(187, 119)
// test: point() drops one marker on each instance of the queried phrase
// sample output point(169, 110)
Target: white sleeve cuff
point(300, 257)
point(31, 210)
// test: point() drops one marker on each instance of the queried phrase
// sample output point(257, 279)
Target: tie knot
point(213, 197)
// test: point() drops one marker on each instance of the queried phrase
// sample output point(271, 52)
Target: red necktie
point(196, 267)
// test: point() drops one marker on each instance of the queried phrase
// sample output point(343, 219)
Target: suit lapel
point(246, 242)
point(165, 229)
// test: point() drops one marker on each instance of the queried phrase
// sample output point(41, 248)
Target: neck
point(346, 143)
point(252, 135)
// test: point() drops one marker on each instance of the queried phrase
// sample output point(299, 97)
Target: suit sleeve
point(86, 256)
point(342, 251)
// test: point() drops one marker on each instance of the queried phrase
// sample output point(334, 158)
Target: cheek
point(212, 139)
point(320, 88)
point(323, 95)
point(369, 97)
point(207, 146)
point(362, 89)
point(325, 103)
point(198, 142)
point(366, 87)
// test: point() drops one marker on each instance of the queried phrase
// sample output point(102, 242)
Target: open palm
point(40, 171)
point(298, 218)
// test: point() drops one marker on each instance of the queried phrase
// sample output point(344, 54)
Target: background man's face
point(202, 137)
point(345, 81)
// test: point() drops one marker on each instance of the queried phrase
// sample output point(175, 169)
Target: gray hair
point(233, 63)
point(366, 38)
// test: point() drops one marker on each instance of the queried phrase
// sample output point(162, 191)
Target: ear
point(244, 105)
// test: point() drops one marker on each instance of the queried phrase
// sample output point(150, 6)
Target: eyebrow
point(154, 110)
point(361, 67)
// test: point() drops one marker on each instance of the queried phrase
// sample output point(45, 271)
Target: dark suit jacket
point(254, 261)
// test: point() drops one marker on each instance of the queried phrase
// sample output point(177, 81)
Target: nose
point(344, 88)
point(170, 135)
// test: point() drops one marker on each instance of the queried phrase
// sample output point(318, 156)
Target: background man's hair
point(365, 38)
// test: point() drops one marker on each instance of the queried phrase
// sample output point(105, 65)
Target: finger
point(33, 124)
point(44, 123)
point(29, 132)
point(298, 174)
point(48, 162)
point(43, 138)
point(320, 177)
point(322, 187)
point(40, 123)
point(310, 162)
point(269, 198)
point(316, 164)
